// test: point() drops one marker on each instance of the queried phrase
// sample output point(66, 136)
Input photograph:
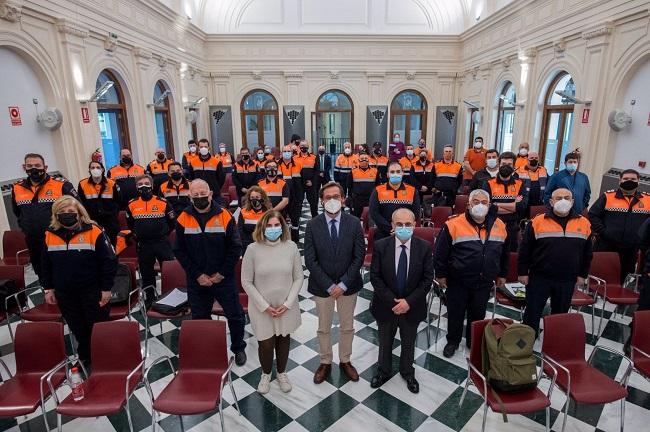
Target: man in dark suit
point(323, 166)
point(401, 274)
point(334, 253)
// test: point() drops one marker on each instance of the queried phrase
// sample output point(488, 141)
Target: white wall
point(633, 143)
point(20, 86)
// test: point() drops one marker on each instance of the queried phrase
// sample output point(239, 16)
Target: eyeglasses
point(404, 225)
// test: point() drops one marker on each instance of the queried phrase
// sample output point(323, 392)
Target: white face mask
point(332, 206)
point(347, 152)
point(562, 207)
point(491, 163)
point(479, 211)
point(192, 149)
point(409, 152)
point(204, 151)
point(478, 144)
point(96, 172)
point(523, 151)
point(396, 139)
point(222, 149)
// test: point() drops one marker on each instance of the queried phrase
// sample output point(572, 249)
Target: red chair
point(524, 402)
point(203, 370)
point(243, 297)
point(460, 205)
point(564, 347)
point(367, 260)
point(606, 273)
point(426, 233)
point(582, 298)
point(536, 210)
point(121, 218)
point(436, 291)
point(25, 391)
point(365, 220)
point(118, 369)
point(502, 299)
point(640, 345)
point(227, 183)
point(14, 248)
point(125, 310)
point(439, 216)
point(130, 254)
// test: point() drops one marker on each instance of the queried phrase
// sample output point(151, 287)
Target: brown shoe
point(350, 371)
point(322, 373)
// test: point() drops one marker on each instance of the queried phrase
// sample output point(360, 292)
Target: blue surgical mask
point(395, 178)
point(287, 155)
point(404, 233)
point(273, 233)
point(572, 167)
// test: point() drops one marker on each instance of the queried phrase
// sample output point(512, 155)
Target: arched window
point(558, 121)
point(259, 120)
point(334, 119)
point(506, 117)
point(408, 116)
point(162, 119)
point(113, 126)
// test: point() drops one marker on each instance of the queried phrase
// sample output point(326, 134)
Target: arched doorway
point(558, 119)
point(408, 116)
point(334, 120)
point(259, 120)
point(506, 117)
point(113, 126)
point(162, 120)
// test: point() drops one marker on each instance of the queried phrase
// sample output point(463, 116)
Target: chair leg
point(128, 414)
point(494, 307)
point(223, 428)
point(622, 414)
point(428, 329)
point(548, 419)
point(438, 324)
point(153, 420)
point(593, 320)
point(462, 396)
point(485, 404)
point(602, 317)
point(234, 396)
point(47, 425)
point(58, 423)
point(566, 412)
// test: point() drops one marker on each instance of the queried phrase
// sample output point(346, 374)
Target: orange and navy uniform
point(102, 201)
point(447, 176)
point(555, 248)
point(246, 224)
point(384, 200)
point(78, 261)
point(381, 163)
point(521, 162)
point(210, 169)
point(245, 175)
point(616, 218)
point(471, 253)
point(290, 172)
point(422, 174)
point(150, 220)
point(32, 205)
point(419, 149)
point(276, 189)
point(178, 196)
point(343, 167)
point(362, 182)
point(158, 171)
point(536, 183)
point(187, 160)
point(207, 243)
point(507, 192)
point(407, 162)
point(226, 161)
point(125, 178)
point(309, 170)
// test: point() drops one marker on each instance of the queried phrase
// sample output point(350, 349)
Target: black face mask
point(255, 203)
point(423, 158)
point(161, 157)
point(629, 185)
point(126, 160)
point(533, 162)
point(145, 192)
point(245, 157)
point(377, 151)
point(421, 145)
point(36, 174)
point(321, 152)
point(68, 220)
point(272, 173)
point(506, 171)
point(303, 149)
point(176, 176)
point(201, 203)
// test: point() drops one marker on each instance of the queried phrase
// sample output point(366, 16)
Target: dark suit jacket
point(328, 266)
point(327, 167)
point(384, 280)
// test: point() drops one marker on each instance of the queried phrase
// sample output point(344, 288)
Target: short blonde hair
point(258, 233)
point(65, 201)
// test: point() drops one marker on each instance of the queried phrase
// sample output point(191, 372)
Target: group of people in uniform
point(71, 233)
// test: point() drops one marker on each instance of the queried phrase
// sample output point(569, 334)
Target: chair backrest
point(641, 330)
point(606, 265)
point(227, 183)
point(203, 346)
point(564, 337)
point(172, 276)
point(460, 205)
point(439, 215)
point(232, 192)
point(475, 352)
point(109, 356)
point(172, 237)
point(12, 242)
point(371, 240)
point(121, 219)
point(512, 270)
point(240, 288)
point(39, 346)
point(15, 273)
point(365, 217)
point(536, 210)
point(426, 233)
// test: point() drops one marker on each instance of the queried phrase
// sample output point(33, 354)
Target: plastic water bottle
point(77, 384)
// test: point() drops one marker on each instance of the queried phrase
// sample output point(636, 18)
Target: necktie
point(401, 272)
point(334, 235)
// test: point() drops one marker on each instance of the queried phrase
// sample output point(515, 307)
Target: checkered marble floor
point(340, 405)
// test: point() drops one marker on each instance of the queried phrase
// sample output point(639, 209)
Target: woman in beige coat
point(272, 276)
